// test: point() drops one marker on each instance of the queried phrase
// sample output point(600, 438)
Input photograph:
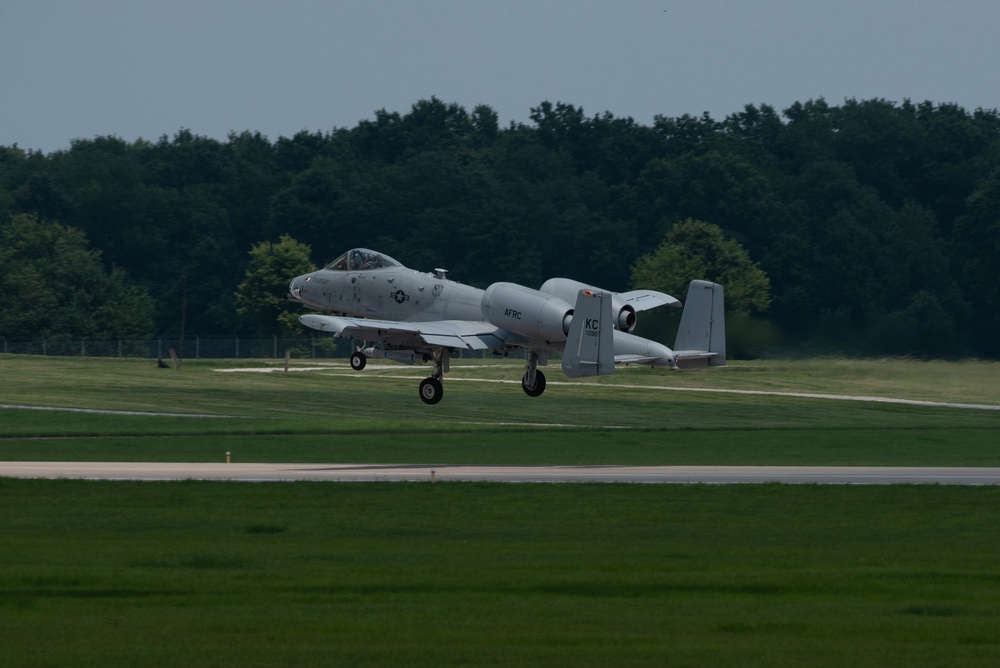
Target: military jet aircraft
point(412, 317)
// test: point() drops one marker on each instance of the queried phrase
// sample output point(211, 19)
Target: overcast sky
point(146, 68)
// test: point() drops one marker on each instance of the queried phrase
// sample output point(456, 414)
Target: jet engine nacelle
point(566, 288)
point(530, 313)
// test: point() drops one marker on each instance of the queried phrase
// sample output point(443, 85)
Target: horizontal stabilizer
point(692, 359)
point(636, 359)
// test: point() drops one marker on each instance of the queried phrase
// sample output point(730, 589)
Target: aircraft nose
point(295, 289)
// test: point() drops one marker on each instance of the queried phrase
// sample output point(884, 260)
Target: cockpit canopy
point(361, 259)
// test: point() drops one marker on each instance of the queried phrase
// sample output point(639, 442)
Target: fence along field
point(194, 348)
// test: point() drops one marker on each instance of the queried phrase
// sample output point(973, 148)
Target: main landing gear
point(533, 381)
point(431, 389)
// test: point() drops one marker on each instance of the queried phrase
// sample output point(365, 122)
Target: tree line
point(875, 223)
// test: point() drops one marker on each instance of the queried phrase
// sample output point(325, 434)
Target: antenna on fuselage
point(440, 273)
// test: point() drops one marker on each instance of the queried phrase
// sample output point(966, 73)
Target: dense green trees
point(272, 266)
point(52, 286)
point(876, 222)
point(696, 248)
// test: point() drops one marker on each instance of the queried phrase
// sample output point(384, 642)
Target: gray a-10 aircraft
point(411, 317)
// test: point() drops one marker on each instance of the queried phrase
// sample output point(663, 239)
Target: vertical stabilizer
point(701, 339)
point(590, 345)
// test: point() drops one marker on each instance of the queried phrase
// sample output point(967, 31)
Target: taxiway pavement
point(835, 475)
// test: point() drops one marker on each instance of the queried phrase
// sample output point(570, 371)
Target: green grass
point(207, 574)
point(375, 416)
point(139, 385)
point(941, 446)
point(203, 574)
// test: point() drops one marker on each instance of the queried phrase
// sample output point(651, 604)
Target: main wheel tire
point(358, 361)
point(431, 390)
point(539, 386)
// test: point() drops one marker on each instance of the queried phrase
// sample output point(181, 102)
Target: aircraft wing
point(458, 334)
point(643, 300)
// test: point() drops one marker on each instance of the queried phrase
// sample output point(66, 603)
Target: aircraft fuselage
point(390, 293)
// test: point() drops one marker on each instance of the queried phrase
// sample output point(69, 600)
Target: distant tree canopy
point(699, 249)
point(272, 266)
point(872, 219)
point(52, 285)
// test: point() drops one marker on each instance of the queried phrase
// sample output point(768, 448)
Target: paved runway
point(719, 475)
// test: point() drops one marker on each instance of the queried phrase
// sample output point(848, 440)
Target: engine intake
point(527, 312)
point(626, 316)
point(567, 289)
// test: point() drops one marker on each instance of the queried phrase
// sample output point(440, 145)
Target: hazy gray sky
point(145, 68)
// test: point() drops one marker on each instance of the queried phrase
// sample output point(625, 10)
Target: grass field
point(316, 574)
point(203, 574)
point(337, 415)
